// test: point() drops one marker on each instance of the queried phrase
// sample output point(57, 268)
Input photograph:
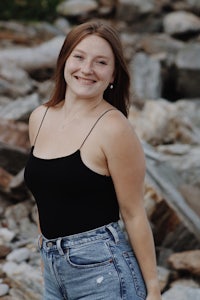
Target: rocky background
point(161, 43)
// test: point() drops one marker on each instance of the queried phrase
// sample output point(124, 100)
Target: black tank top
point(71, 198)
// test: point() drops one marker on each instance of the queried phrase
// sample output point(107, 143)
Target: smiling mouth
point(85, 81)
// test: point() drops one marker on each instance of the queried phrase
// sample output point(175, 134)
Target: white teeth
point(84, 80)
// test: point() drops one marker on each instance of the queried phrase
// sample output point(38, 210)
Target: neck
point(77, 107)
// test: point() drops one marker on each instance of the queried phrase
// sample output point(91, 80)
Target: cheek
point(68, 70)
point(68, 67)
point(108, 76)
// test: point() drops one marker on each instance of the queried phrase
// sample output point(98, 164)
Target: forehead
point(95, 44)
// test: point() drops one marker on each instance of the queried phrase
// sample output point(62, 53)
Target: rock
point(163, 275)
point(4, 251)
point(14, 133)
point(186, 261)
point(12, 159)
point(183, 293)
point(17, 186)
point(128, 10)
point(73, 8)
point(161, 122)
point(188, 74)
point(185, 282)
point(106, 7)
point(191, 194)
point(20, 108)
point(187, 57)
point(6, 235)
point(26, 279)
point(5, 179)
point(33, 58)
point(159, 43)
point(181, 22)
point(4, 288)
point(146, 76)
point(179, 225)
point(19, 255)
point(151, 123)
point(44, 90)
point(14, 81)
point(63, 25)
point(194, 4)
point(187, 166)
point(169, 128)
point(17, 219)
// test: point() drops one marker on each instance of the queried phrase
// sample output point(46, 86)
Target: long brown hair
point(119, 95)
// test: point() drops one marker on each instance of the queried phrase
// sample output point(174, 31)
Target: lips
point(85, 81)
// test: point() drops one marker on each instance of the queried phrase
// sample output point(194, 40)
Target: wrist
point(153, 286)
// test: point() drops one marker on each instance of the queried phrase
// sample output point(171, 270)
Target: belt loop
point(59, 247)
point(113, 232)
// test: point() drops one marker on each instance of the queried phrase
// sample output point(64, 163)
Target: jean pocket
point(89, 255)
point(136, 273)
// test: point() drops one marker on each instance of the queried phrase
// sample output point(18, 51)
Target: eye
point(101, 62)
point(78, 56)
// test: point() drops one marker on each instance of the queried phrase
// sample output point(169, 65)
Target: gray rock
point(20, 108)
point(4, 288)
point(26, 278)
point(17, 218)
point(163, 275)
point(15, 82)
point(188, 75)
point(128, 10)
point(6, 235)
point(76, 7)
point(188, 57)
point(19, 255)
point(146, 76)
point(63, 25)
point(194, 3)
point(181, 22)
point(33, 58)
point(183, 293)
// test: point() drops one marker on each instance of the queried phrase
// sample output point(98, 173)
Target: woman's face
point(90, 68)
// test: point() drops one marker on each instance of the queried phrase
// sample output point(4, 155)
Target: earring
point(111, 86)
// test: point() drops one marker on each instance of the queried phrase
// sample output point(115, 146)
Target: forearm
point(141, 239)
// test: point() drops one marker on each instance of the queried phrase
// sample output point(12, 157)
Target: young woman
point(86, 168)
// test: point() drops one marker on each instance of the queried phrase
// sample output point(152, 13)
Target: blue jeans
point(95, 265)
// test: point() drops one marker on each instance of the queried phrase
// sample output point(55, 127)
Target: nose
point(87, 67)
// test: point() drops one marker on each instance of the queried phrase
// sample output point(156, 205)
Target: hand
point(153, 290)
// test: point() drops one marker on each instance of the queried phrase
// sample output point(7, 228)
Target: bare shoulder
point(35, 120)
point(37, 113)
point(118, 128)
point(120, 138)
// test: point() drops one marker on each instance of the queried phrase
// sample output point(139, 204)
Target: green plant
point(44, 10)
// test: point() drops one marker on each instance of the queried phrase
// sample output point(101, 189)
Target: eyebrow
point(98, 56)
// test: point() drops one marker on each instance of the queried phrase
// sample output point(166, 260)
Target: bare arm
point(126, 164)
point(35, 121)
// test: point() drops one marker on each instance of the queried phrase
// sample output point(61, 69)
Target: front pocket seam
point(91, 265)
point(140, 291)
point(86, 266)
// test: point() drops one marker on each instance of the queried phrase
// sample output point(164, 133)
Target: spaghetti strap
point(40, 125)
point(94, 126)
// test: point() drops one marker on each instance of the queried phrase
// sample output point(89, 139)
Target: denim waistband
point(113, 230)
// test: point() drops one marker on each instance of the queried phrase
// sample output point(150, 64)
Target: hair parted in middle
point(119, 95)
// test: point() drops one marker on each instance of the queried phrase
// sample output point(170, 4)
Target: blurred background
point(161, 41)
